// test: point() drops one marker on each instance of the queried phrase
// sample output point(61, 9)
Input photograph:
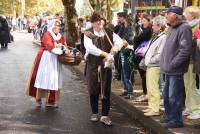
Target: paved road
point(18, 114)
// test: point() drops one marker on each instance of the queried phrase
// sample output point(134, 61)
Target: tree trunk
point(22, 3)
point(14, 9)
point(70, 17)
point(109, 12)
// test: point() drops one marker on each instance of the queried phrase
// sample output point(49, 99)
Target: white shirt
point(92, 49)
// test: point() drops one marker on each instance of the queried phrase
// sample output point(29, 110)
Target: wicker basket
point(73, 58)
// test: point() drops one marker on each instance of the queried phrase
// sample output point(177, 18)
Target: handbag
point(141, 50)
point(73, 57)
point(142, 64)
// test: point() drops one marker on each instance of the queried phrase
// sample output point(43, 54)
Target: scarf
point(54, 36)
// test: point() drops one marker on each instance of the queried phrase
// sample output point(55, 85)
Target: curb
point(153, 126)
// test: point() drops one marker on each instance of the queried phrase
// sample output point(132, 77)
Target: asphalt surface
point(19, 114)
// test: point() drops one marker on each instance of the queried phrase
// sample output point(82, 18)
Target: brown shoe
point(55, 105)
point(152, 113)
point(38, 103)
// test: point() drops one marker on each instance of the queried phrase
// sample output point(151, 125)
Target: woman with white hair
point(46, 77)
point(192, 101)
point(152, 59)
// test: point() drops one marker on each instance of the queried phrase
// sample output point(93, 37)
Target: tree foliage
point(41, 6)
point(7, 6)
point(32, 7)
point(105, 7)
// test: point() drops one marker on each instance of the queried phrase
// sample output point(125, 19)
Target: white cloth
point(57, 51)
point(49, 76)
point(109, 62)
point(92, 49)
point(88, 25)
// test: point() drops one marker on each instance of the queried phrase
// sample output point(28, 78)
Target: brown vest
point(101, 43)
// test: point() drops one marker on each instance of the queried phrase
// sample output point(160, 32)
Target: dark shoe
point(128, 96)
point(164, 120)
point(124, 94)
point(172, 125)
point(196, 126)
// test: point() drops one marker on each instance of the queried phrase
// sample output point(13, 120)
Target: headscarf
point(50, 27)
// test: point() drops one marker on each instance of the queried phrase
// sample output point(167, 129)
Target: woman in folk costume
point(98, 43)
point(46, 77)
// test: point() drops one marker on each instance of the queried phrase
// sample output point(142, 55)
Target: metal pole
point(133, 8)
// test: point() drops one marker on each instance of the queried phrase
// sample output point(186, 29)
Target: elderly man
point(174, 63)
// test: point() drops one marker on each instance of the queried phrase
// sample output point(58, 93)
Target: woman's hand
point(198, 42)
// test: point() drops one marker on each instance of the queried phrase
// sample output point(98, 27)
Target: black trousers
point(117, 66)
point(94, 102)
point(4, 45)
point(95, 95)
point(142, 74)
point(143, 77)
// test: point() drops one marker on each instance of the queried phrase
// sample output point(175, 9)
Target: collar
point(99, 34)
point(177, 24)
point(55, 37)
point(194, 22)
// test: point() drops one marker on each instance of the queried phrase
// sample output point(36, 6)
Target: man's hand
point(104, 54)
point(114, 49)
point(125, 43)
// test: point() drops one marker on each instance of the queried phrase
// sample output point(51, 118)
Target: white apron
point(49, 75)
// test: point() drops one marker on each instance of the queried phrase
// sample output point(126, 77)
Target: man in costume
point(100, 44)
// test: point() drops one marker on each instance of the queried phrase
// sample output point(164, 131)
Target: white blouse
point(92, 49)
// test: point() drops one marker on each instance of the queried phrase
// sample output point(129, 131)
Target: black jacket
point(4, 31)
point(145, 35)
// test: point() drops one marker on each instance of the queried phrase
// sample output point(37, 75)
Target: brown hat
point(122, 14)
point(96, 16)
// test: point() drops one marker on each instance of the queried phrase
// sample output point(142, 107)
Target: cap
point(176, 10)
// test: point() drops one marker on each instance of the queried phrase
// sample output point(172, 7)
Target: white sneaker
point(106, 120)
point(193, 116)
point(94, 117)
point(151, 113)
point(146, 110)
point(141, 98)
point(162, 108)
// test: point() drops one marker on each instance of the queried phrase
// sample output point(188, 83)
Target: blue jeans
point(126, 79)
point(173, 98)
point(161, 83)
